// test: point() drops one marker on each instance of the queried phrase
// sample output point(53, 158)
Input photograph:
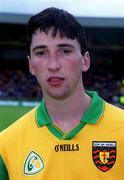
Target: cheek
point(75, 66)
point(36, 67)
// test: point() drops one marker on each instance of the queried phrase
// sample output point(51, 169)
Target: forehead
point(43, 38)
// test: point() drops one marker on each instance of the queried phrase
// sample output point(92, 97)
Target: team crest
point(104, 154)
point(33, 164)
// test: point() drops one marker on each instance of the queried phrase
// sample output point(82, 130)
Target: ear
point(31, 69)
point(86, 61)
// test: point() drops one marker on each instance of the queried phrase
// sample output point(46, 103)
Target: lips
point(55, 81)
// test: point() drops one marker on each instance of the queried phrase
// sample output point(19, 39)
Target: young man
point(73, 133)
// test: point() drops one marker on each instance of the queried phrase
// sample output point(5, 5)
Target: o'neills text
point(67, 147)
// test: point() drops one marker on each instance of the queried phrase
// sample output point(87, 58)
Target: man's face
point(57, 64)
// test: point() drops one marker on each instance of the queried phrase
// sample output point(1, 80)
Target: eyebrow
point(59, 45)
point(66, 45)
point(39, 47)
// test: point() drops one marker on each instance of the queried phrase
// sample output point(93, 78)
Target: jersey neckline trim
point(92, 115)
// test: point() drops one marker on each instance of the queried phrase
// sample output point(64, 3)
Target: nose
point(54, 63)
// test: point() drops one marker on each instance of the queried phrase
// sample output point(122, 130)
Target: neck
point(67, 113)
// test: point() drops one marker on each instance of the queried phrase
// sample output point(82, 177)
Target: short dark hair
point(60, 20)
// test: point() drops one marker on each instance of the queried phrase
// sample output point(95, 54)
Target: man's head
point(60, 21)
point(58, 53)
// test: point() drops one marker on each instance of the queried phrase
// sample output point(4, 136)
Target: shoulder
point(18, 127)
point(113, 108)
point(113, 112)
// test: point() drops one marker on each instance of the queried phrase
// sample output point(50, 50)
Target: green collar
point(92, 115)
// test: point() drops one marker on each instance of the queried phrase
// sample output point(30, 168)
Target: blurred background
point(104, 24)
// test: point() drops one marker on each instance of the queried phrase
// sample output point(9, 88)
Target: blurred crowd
point(108, 87)
point(108, 82)
point(15, 84)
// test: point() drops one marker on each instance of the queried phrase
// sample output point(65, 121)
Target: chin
point(58, 96)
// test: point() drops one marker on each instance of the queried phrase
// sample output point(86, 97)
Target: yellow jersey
point(34, 148)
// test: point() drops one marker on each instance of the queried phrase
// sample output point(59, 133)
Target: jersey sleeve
point(3, 170)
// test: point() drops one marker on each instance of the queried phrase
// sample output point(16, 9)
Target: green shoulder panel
point(3, 170)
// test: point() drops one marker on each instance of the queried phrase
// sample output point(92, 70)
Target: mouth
point(55, 81)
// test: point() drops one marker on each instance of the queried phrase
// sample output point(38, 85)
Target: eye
point(64, 51)
point(41, 53)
